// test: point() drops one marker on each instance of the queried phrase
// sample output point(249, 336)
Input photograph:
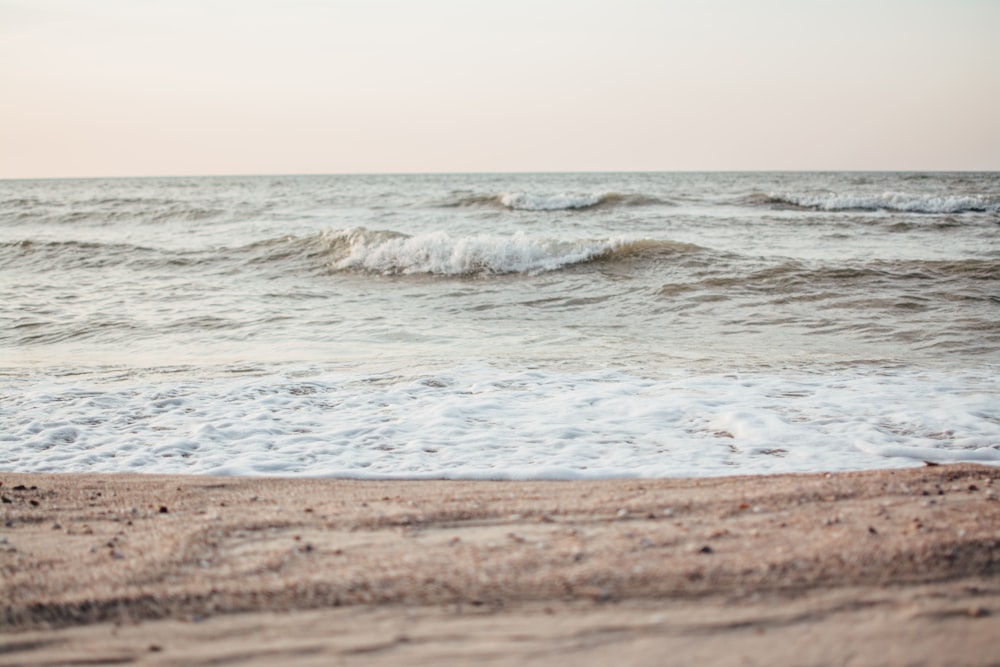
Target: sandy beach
point(873, 568)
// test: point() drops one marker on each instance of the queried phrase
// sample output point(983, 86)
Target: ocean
point(500, 326)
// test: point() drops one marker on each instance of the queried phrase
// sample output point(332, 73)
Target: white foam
point(443, 254)
point(524, 201)
point(478, 421)
point(893, 201)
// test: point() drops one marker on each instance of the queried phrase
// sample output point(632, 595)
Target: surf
point(439, 253)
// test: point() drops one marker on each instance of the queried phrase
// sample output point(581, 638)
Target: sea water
point(550, 326)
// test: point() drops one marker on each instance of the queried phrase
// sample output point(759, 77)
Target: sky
point(205, 87)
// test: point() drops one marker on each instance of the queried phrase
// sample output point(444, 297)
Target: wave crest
point(523, 201)
point(888, 201)
point(526, 201)
point(438, 253)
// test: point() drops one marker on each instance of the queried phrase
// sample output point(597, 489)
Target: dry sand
point(876, 568)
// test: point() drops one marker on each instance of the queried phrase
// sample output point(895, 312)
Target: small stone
point(164, 510)
point(706, 550)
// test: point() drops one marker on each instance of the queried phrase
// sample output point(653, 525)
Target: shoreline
point(908, 558)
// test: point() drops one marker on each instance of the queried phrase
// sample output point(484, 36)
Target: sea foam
point(477, 421)
point(889, 201)
point(535, 202)
point(443, 254)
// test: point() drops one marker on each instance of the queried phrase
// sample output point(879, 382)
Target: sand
point(876, 568)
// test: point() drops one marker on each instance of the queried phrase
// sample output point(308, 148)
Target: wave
point(887, 201)
point(951, 279)
point(438, 253)
point(374, 251)
point(526, 201)
point(105, 214)
point(114, 210)
point(71, 254)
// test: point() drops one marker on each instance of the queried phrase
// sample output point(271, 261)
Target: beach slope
point(882, 567)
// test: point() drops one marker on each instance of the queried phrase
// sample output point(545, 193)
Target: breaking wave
point(383, 252)
point(888, 201)
point(525, 201)
point(438, 253)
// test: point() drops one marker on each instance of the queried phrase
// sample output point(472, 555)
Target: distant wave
point(102, 212)
point(966, 279)
point(888, 201)
point(70, 254)
point(438, 253)
point(113, 210)
point(526, 201)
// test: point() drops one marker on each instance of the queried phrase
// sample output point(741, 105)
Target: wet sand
point(883, 567)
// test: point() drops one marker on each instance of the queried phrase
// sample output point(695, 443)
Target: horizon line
point(505, 173)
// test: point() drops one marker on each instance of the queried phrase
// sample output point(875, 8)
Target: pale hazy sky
point(133, 87)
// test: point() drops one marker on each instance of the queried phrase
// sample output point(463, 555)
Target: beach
point(877, 567)
point(540, 418)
